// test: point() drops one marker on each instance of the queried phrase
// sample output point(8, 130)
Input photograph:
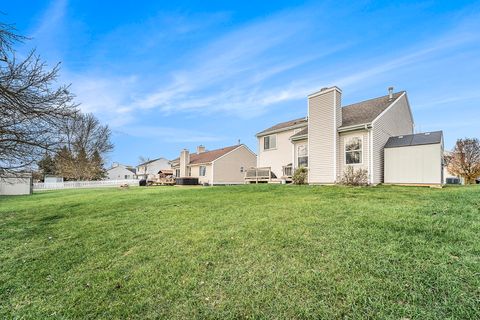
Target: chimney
point(324, 119)
point(200, 149)
point(184, 162)
point(390, 93)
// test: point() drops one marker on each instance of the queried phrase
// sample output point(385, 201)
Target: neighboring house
point(52, 179)
point(149, 169)
point(121, 172)
point(216, 167)
point(333, 137)
point(415, 159)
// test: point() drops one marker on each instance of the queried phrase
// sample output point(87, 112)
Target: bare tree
point(85, 132)
point(464, 161)
point(86, 143)
point(33, 108)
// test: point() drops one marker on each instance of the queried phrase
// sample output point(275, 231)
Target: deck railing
point(258, 174)
point(287, 171)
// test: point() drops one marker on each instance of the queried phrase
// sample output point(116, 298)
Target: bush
point(352, 177)
point(300, 176)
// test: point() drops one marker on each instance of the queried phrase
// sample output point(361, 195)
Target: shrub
point(300, 176)
point(352, 177)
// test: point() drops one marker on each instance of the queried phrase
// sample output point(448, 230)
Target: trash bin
point(142, 183)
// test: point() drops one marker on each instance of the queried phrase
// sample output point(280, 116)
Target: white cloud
point(168, 134)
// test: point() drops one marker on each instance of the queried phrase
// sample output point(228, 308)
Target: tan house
point(333, 137)
point(215, 167)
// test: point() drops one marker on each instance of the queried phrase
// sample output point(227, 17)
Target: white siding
point(152, 168)
point(278, 157)
point(119, 172)
point(414, 164)
point(395, 121)
point(16, 185)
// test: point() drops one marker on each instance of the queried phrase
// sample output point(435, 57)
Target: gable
point(366, 111)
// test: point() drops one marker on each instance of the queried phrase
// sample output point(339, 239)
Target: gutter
point(261, 134)
point(356, 127)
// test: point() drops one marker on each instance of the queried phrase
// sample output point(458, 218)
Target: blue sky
point(168, 75)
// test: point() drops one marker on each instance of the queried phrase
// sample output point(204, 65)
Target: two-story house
point(149, 169)
point(333, 136)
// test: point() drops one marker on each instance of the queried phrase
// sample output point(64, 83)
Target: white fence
point(83, 184)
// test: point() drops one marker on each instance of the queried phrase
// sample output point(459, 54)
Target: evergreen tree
point(64, 164)
point(97, 167)
point(46, 165)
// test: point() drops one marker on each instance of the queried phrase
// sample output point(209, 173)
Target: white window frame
point(297, 153)
point(345, 150)
point(200, 171)
point(268, 136)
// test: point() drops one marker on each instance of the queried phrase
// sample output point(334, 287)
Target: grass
point(242, 252)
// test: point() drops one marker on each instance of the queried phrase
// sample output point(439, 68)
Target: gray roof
point(284, 125)
point(366, 111)
point(300, 133)
point(416, 139)
point(354, 114)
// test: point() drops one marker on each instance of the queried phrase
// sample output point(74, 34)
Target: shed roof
point(416, 139)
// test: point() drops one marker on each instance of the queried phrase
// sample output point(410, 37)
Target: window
point(353, 150)
point(177, 172)
point(302, 155)
point(202, 171)
point(269, 142)
point(126, 177)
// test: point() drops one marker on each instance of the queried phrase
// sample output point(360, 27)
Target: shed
point(16, 184)
point(414, 159)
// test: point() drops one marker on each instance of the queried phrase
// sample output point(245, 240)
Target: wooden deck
point(265, 175)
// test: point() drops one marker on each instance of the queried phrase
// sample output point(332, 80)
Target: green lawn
point(261, 251)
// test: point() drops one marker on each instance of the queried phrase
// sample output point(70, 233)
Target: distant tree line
point(40, 124)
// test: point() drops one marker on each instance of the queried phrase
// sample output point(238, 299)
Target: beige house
point(333, 137)
point(215, 167)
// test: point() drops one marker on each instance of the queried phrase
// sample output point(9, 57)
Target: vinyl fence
point(83, 184)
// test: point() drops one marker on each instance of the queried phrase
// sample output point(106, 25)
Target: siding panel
point(226, 170)
point(323, 136)
point(395, 121)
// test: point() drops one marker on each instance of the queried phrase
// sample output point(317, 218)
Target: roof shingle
point(208, 156)
point(366, 111)
point(354, 114)
point(416, 139)
point(286, 124)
